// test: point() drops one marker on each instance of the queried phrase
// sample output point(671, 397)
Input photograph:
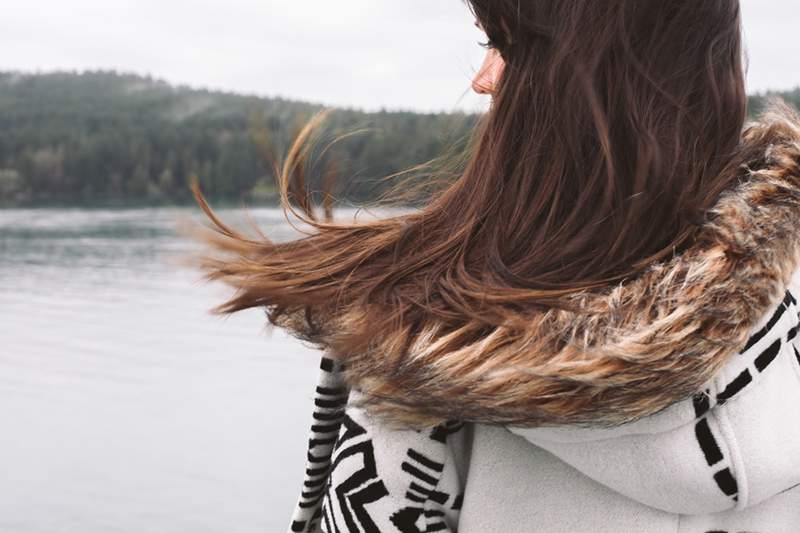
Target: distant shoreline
point(111, 140)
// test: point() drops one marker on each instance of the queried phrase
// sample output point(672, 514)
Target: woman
point(594, 327)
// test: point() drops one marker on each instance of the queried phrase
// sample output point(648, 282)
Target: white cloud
point(416, 54)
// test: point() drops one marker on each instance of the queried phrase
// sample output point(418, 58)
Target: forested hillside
point(103, 137)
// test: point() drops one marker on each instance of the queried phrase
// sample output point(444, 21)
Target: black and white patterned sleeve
point(371, 478)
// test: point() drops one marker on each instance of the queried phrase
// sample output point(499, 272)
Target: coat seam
point(736, 461)
point(445, 462)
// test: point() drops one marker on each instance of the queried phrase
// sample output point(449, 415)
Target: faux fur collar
point(632, 349)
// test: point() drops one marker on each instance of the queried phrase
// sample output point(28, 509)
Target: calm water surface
point(124, 405)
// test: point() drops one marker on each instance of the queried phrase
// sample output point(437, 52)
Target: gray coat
point(725, 460)
point(702, 349)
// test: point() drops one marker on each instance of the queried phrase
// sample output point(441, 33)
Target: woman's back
point(566, 338)
point(723, 459)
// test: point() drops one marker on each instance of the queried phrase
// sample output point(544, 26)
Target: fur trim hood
point(625, 351)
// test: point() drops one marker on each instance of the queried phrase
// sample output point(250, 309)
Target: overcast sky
point(409, 54)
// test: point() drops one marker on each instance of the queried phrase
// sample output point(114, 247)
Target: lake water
point(125, 406)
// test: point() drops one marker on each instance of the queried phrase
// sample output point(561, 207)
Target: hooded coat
point(518, 450)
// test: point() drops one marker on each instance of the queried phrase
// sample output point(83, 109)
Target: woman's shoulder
point(730, 445)
point(375, 477)
point(771, 343)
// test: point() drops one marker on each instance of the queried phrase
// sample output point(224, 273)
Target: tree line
point(99, 137)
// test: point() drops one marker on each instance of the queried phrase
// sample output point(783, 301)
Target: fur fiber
point(631, 349)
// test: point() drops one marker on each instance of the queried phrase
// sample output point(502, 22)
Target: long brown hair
point(614, 126)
